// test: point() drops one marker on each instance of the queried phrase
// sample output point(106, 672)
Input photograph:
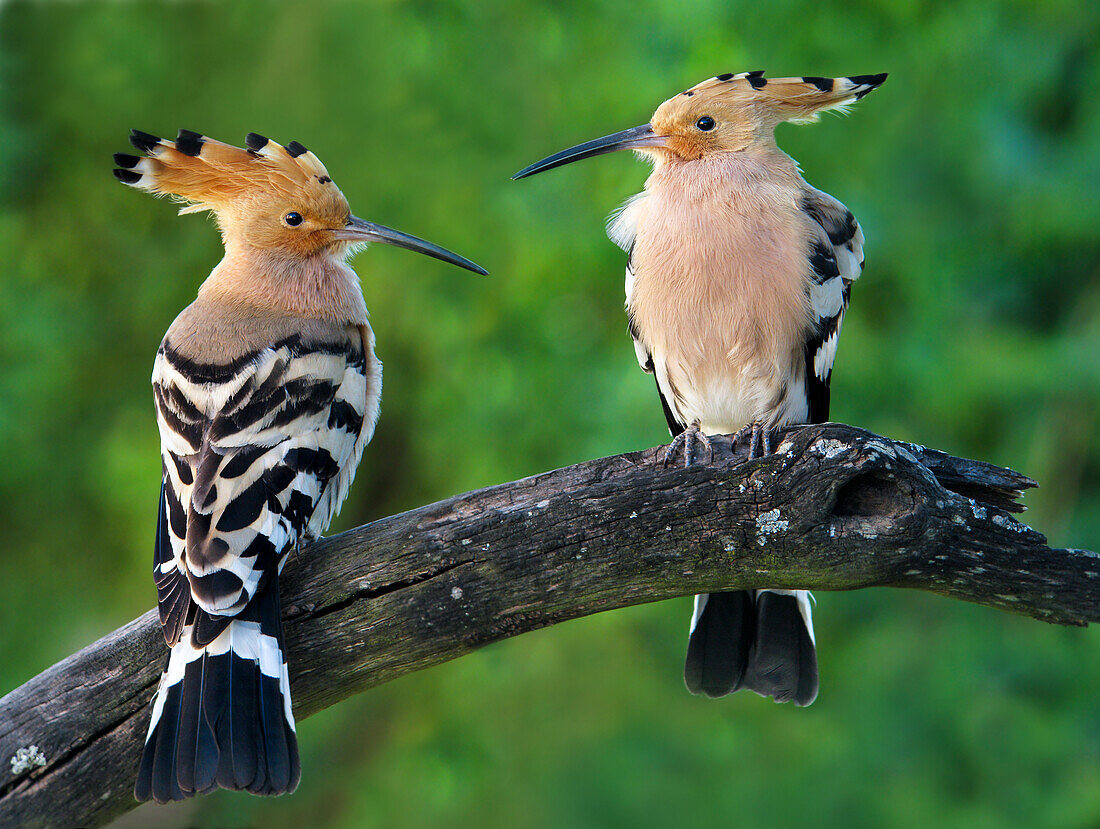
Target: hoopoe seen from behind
point(266, 389)
point(737, 279)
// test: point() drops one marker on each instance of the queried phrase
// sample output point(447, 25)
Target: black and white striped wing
point(257, 456)
point(836, 260)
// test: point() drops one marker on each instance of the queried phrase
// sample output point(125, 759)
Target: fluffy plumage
point(737, 280)
point(258, 453)
point(250, 191)
point(267, 389)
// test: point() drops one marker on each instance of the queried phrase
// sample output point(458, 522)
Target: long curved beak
point(634, 138)
point(360, 230)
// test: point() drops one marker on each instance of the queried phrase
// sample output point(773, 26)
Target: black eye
point(293, 219)
point(706, 123)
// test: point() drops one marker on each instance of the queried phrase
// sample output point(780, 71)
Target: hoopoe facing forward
point(267, 389)
point(737, 279)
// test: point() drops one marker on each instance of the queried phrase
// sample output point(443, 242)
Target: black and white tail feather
point(258, 455)
point(759, 640)
point(222, 714)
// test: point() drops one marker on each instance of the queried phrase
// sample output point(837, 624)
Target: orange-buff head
point(728, 113)
point(266, 197)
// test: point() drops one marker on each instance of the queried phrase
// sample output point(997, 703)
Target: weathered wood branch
point(835, 508)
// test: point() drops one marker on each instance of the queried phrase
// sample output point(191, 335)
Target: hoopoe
point(267, 389)
point(738, 275)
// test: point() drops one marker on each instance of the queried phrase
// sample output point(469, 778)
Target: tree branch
point(835, 508)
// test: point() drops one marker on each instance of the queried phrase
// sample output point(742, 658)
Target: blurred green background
point(975, 329)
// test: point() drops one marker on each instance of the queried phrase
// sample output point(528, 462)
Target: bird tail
point(761, 640)
point(221, 716)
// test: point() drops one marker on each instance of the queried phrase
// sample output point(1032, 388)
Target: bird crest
point(800, 100)
point(725, 114)
point(266, 197)
point(731, 112)
point(207, 174)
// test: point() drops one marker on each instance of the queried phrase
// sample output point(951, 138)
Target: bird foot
point(760, 437)
point(687, 440)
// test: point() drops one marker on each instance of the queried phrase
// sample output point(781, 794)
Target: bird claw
point(687, 440)
point(760, 435)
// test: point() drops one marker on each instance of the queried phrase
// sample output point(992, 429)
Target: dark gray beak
point(359, 230)
point(634, 138)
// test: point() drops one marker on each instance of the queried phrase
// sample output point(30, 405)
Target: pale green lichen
point(769, 523)
point(828, 448)
point(27, 759)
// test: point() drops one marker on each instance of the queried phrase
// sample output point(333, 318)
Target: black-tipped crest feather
point(869, 80)
point(189, 143)
point(143, 141)
point(822, 84)
point(127, 176)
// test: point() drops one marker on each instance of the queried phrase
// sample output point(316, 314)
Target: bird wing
point(836, 260)
point(622, 228)
point(256, 456)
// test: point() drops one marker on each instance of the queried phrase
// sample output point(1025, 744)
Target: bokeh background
point(975, 329)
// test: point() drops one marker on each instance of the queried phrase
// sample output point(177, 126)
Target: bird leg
point(760, 434)
point(687, 439)
point(305, 537)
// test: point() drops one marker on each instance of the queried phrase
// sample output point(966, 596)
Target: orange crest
point(267, 194)
point(729, 112)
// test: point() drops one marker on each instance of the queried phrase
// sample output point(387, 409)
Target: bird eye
point(706, 123)
point(293, 219)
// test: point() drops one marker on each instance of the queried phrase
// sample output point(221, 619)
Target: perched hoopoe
point(267, 389)
point(737, 279)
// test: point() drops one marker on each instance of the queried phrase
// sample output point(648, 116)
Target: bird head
point(265, 196)
point(728, 113)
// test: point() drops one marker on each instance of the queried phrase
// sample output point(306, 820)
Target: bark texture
point(834, 508)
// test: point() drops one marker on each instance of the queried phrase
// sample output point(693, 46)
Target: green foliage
point(976, 329)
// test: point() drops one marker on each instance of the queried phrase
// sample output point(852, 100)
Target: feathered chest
point(719, 268)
